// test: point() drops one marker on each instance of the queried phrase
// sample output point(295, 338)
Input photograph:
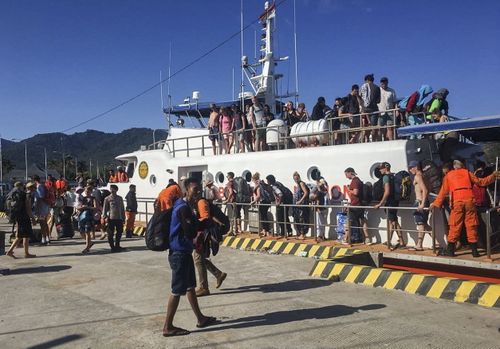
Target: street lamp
point(63, 162)
point(25, 156)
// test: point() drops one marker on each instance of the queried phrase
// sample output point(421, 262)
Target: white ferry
point(188, 151)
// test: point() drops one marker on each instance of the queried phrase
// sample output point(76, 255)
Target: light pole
point(45, 159)
point(154, 139)
point(63, 162)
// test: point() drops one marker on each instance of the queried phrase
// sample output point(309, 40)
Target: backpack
point(266, 193)
point(158, 231)
point(378, 190)
point(15, 203)
point(409, 103)
point(287, 193)
point(242, 190)
point(432, 176)
point(49, 197)
point(401, 185)
point(216, 212)
point(366, 194)
point(374, 97)
point(480, 196)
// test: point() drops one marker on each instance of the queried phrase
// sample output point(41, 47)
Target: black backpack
point(158, 231)
point(432, 176)
point(266, 193)
point(366, 194)
point(401, 185)
point(242, 190)
point(378, 190)
point(287, 193)
point(216, 212)
point(16, 200)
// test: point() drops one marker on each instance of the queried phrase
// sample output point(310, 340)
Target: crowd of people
point(367, 114)
point(83, 207)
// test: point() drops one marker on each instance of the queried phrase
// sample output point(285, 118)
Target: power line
point(193, 62)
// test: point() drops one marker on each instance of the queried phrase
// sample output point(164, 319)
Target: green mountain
point(91, 146)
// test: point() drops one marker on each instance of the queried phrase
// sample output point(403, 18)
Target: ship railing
point(202, 145)
point(252, 223)
point(491, 218)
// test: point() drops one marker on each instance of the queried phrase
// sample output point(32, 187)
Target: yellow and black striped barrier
point(3, 215)
point(290, 248)
point(457, 290)
point(139, 231)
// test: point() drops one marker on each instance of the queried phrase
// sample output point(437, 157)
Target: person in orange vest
point(112, 177)
point(458, 185)
point(61, 183)
point(167, 196)
point(121, 176)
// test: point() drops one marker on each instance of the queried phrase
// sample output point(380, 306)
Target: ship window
point(247, 175)
point(130, 169)
point(313, 174)
point(219, 177)
point(152, 180)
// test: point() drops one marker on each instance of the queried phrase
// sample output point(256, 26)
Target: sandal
point(209, 320)
point(394, 247)
point(11, 254)
point(176, 331)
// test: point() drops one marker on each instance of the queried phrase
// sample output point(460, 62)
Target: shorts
point(392, 214)
point(213, 133)
point(374, 119)
point(261, 133)
point(355, 121)
point(420, 217)
point(183, 273)
point(24, 228)
point(385, 120)
point(356, 215)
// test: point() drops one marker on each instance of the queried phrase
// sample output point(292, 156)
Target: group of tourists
point(367, 114)
point(84, 208)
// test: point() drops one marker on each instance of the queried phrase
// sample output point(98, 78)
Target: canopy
point(480, 128)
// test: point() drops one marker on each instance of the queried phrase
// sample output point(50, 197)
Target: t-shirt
point(203, 209)
point(167, 197)
point(387, 99)
point(356, 184)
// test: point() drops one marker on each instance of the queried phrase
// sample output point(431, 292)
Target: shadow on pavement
point(40, 269)
point(56, 342)
point(285, 286)
point(286, 316)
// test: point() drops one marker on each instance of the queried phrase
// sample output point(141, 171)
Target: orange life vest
point(122, 177)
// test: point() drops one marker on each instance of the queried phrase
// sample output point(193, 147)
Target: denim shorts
point(183, 273)
point(392, 214)
point(420, 216)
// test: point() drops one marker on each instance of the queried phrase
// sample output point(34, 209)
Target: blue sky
point(65, 61)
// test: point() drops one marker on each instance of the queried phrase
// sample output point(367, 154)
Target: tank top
point(225, 121)
point(258, 112)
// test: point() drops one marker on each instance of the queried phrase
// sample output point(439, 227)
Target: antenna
point(255, 45)
point(168, 84)
point(161, 91)
point(241, 55)
point(232, 90)
point(295, 53)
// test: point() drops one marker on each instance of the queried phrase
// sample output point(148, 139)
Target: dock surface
point(63, 299)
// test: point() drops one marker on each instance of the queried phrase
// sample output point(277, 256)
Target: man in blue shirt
point(183, 229)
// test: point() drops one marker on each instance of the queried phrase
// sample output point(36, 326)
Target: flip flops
point(176, 331)
point(210, 320)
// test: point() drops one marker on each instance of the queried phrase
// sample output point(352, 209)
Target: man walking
point(20, 212)
point(42, 209)
point(388, 199)
point(283, 196)
point(130, 211)
point(114, 216)
point(356, 214)
point(183, 229)
point(421, 203)
point(201, 261)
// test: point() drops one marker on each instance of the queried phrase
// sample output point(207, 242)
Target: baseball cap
point(350, 170)
point(384, 164)
point(384, 79)
point(413, 163)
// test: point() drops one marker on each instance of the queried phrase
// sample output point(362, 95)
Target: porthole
point(247, 175)
point(219, 177)
point(313, 174)
point(152, 180)
point(375, 171)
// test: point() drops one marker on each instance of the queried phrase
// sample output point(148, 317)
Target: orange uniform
point(458, 184)
point(61, 184)
point(167, 197)
point(113, 179)
point(121, 177)
point(203, 209)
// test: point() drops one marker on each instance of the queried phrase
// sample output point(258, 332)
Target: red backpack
point(480, 196)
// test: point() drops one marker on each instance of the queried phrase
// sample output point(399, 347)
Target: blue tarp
point(481, 128)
